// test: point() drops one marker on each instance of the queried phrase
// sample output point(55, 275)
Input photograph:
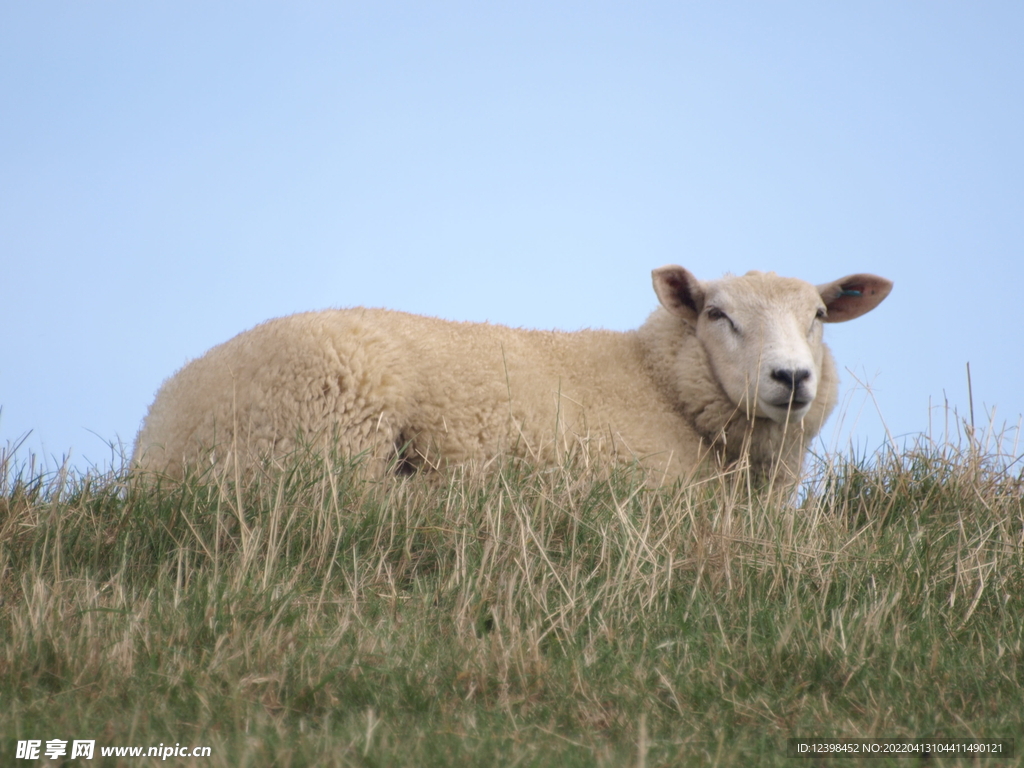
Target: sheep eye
point(821, 314)
point(714, 313)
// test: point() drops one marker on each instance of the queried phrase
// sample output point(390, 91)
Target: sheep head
point(763, 333)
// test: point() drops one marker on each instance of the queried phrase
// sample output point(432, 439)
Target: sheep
point(723, 370)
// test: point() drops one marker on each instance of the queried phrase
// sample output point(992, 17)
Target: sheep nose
point(790, 377)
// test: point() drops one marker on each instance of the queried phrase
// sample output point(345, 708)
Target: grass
point(514, 617)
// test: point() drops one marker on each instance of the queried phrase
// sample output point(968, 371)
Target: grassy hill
point(514, 616)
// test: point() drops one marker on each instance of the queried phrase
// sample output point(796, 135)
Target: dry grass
point(514, 617)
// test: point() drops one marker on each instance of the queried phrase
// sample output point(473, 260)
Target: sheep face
point(763, 333)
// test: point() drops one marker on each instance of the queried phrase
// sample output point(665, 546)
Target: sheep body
point(421, 392)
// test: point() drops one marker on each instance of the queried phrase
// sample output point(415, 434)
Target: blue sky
point(174, 173)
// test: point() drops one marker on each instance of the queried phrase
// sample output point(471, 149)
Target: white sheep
point(723, 369)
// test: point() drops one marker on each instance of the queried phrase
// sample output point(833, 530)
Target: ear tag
point(850, 293)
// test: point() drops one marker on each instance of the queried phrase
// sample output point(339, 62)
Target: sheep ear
point(853, 296)
point(679, 291)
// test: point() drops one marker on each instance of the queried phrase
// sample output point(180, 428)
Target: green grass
point(514, 617)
